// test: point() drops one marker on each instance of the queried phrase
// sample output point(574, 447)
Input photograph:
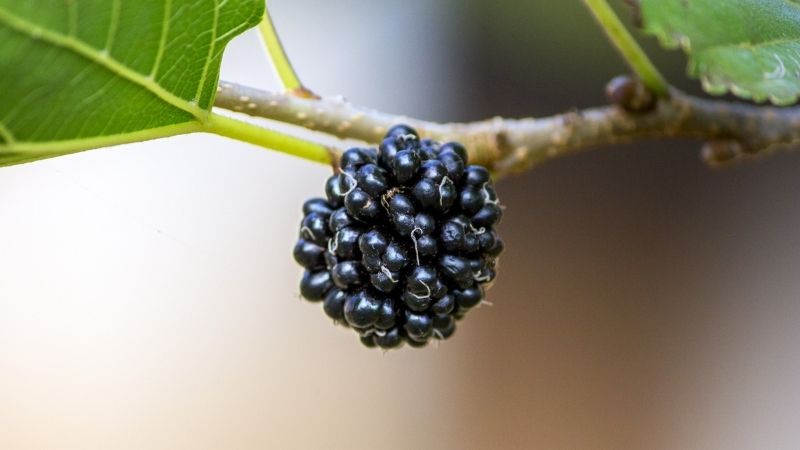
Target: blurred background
point(149, 298)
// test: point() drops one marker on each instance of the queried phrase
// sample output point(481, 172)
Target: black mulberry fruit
point(404, 242)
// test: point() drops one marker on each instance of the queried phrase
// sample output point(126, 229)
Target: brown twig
point(514, 145)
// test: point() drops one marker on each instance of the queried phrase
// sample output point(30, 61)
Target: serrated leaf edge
point(673, 40)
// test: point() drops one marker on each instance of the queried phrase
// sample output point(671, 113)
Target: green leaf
point(81, 74)
point(748, 47)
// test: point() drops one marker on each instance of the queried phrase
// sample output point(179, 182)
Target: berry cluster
point(404, 242)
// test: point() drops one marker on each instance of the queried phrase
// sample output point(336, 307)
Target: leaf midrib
point(102, 59)
point(48, 149)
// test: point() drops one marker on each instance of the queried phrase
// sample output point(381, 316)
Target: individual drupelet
point(404, 243)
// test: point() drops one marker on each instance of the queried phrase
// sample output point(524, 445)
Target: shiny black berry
point(373, 243)
point(372, 179)
point(361, 205)
point(487, 216)
point(388, 339)
point(317, 205)
point(426, 193)
point(334, 304)
point(470, 200)
point(308, 254)
point(406, 163)
point(345, 243)
point(403, 244)
point(314, 228)
point(402, 130)
point(357, 157)
point(315, 285)
point(348, 274)
point(332, 192)
point(456, 148)
point(385, 280)
point(444, 305)
point(476, 176)
point(362, 309)
point(418, 326)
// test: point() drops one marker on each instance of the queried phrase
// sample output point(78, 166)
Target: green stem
point(246, 132)
point(634, 55)
point(277, 55)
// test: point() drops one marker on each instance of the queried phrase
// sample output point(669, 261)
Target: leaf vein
point(162, 43)
point(6, 135)
point(81, 48)
point(116, 7)
point(72, 18)
point(211, 47)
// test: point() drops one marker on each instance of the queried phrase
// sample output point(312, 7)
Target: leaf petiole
point(280, 62)
point(634, 55)
point(253, 134)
